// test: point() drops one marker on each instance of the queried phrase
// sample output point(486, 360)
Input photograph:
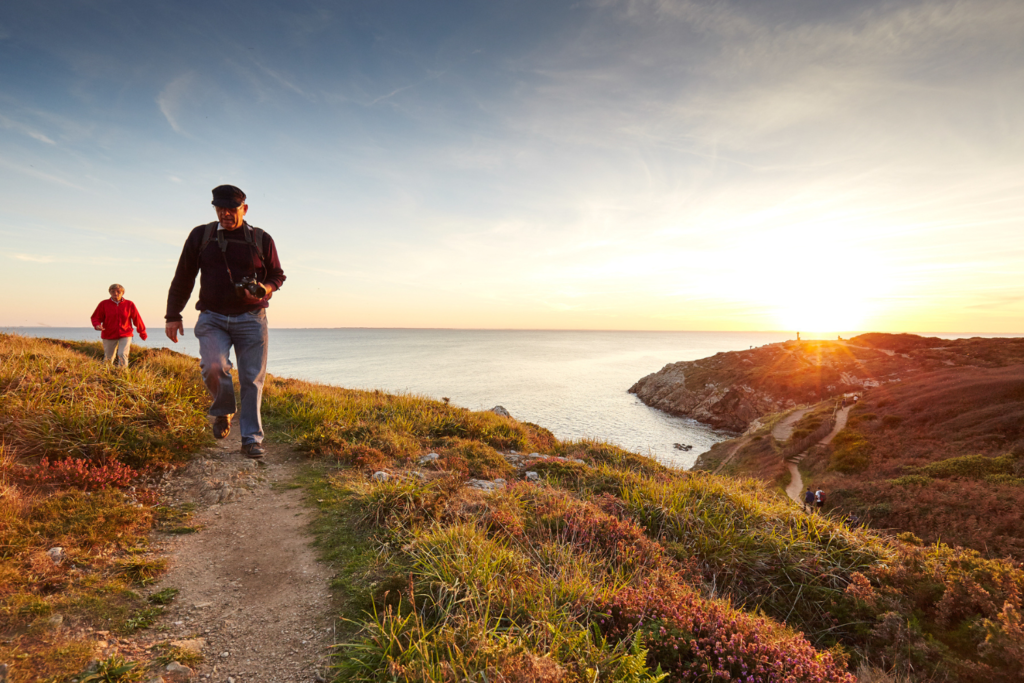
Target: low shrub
point(970, 466)
point(702, 640)
point(473, 459)
point(86, 475)
point(912, 480)
point(892, 421)
point(1004, 479)
point(851, 453)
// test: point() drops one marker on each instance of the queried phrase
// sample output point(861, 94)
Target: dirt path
point(740, 443)
point(253, 597)
point(796, 483)
point(783, 429)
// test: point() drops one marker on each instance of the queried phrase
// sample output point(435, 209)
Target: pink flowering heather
point(84, 474)
point(693, 639)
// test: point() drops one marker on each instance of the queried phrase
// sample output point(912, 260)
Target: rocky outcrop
point(731, 390)
point(729, 407)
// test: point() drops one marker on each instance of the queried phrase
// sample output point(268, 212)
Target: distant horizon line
point(552, 329)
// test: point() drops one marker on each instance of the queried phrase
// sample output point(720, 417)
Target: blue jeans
point(248, 334)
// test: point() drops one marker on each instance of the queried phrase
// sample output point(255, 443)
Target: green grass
point(436, 580)
point(60, 403)
point(609, 569)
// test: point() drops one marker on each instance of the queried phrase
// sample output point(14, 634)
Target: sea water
point(574, 383)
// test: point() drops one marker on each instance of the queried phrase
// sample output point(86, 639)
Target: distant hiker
point(809, 500)
point(819, 499)
point(844, 402)
point(798, 336)
point(114, 318)
point(239, 271)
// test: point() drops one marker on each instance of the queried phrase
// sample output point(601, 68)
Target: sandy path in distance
point(796, 483)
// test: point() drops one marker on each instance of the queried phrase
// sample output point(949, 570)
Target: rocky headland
point(731, 390)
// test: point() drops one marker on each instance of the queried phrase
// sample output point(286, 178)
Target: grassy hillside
point(79, 440)
point(614, 567)
point(940, 455)
point(610, 567)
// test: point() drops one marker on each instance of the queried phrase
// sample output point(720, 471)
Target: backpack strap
point(207, 238)
point(254, 236)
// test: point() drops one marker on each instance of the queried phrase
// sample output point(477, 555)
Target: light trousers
point(118, 350)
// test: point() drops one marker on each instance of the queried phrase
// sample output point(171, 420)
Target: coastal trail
point(253, 599)
point(796, 483)
point(781, 431)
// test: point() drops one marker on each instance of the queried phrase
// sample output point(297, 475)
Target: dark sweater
point(216, 289)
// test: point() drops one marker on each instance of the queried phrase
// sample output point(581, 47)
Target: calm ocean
point(573, 383)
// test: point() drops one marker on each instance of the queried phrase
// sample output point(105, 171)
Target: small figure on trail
point(819, 499)
point(809, 500)
point(114, 318)
point(844, 402)
point(798, 336)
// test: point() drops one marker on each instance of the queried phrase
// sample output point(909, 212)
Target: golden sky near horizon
point(670, 165)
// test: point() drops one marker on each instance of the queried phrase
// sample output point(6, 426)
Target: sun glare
point(816, 283)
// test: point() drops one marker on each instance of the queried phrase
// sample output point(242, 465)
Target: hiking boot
point(253, 450)
point(221, 426)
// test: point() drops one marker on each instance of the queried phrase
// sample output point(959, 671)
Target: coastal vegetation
point(939, 455)
point(80, 444)
point(605, 566)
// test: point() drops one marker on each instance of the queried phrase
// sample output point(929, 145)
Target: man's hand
point(250, 299)
point(173, 330)
point(99, 328)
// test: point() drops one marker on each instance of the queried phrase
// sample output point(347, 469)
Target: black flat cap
point(228, 196)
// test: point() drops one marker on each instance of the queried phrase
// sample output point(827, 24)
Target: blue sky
point(568, 165)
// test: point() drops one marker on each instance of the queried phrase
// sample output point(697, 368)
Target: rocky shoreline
point(730, 390)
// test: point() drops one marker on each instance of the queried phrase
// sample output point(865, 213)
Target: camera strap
point(223, 244)
point(253, 237)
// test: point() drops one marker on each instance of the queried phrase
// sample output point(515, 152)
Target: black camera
point(249, 284)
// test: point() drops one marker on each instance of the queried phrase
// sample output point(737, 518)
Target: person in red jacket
point(114, 318)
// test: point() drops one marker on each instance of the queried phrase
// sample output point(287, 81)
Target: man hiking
point(239, 271)
point(809, 500)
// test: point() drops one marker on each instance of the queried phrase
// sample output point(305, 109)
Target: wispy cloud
point(34, 258)
point(171, 99)
point(33, 172)
point(26, 130)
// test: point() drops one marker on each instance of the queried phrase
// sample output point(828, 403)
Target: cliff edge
point(731, 390)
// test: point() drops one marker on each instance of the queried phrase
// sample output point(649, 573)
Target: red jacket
point(117, 319)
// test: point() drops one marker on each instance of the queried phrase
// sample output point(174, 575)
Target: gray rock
point(3, 673)
point(56, 554)
point(381, 476)
point(176, 673)
point(532, 476)
point(193, 645)
point(485, 485)
point(499, 410)
point(429, 457)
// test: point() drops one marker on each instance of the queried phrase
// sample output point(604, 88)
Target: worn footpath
point(253, 599)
